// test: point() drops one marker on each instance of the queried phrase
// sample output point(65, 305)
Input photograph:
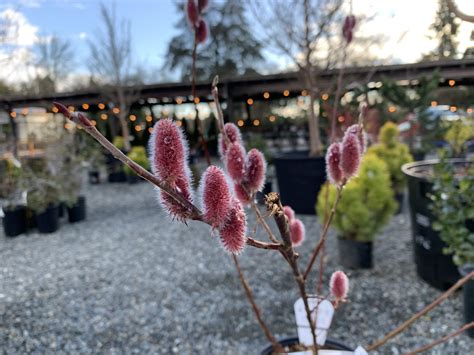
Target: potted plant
point(43, 194)
point(394, 154)
point(433, 265)
point(14, 210)
point(137, 154)
point(364, 208)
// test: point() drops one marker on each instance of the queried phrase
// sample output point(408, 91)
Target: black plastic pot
point(133, 178)
point(432, 265)
point(118, 176)
point(61, 209)
point(468, 295)
point(354, 254)
point(267, 188)
point(330, 345)
point(300, 178)
point(14, 221)
point(48, 220)
point(94, 177)
point(77, 212)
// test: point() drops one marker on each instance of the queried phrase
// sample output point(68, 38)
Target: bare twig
point(323, 237)
point(263, 222)
point(441, 340)
point(248, 293)
point(428, 308)
point(454, 9)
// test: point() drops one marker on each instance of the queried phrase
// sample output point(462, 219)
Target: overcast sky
point(405, 22)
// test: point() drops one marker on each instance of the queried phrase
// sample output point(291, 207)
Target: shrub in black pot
point(14, 221)
point(11, 201)
point(300, 178)
point(394, 154)
point(366, 205)
point(77, 211)
point(289, 343)
point(47, 221)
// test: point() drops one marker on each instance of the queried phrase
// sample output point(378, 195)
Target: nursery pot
point(300, 178)
point(354, 254)
point(61, 209)
point(468, 295)
point(432, 265)
point(287, 342)
point(133, 178)
point(77, 212)
point(94, 177)
point(14, 221)
point(48, 220)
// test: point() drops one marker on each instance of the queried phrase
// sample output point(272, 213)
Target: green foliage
point(230, 50)
point(10, 176)
point(119, 142)
point(40, 180)
point(138, 155)
point(366, 204)
point(458, 134)
point(445, 30)
point(393, 153)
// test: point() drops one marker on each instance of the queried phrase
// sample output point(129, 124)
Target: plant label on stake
point(323, 310)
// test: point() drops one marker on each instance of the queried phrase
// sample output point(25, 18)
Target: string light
point(150, 130)
point(132, 118)
point(94, 122)
point(256, 122)
point(325, 97)
point(469, 110)
point(434, 103)
point(138, 128)
point(266, 95)
point(452, 82)
point(116, 110)
point(341, 119)
point(240, 123)
point(304, 93)
point(149, 118)
point(68, 125)
point(85, 106)
point(392, 109)
point(71, 108)
point(55, 109)
point(197, 100)
point(286, 93)
point(101, 106)
point(453, 109)
point(179, 123)
point(103, 116)
point(24, 112)
point(272, 118)
point(250, 102)
point(179, 100)
point(13, 114)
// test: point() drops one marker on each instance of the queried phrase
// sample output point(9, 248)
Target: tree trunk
point(315, 145)
point(125, 131)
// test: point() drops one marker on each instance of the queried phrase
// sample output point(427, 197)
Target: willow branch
point(454, 9)
point(322, 240)
point(251, 299)
point(428, 308)
point(442, 340)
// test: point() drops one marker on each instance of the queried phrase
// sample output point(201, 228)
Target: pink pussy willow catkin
point(333, 164)
point(339, 285)
point(169, 161)
point(233, 232)
point(234, 136)
point(350, 155)
point(361, 135)
point(297, 232)
point(290, 214)
point(192, 12)
point(255, 170)
point(215, 195)
point(235, 162)
point(201, 31)
point(242, 194)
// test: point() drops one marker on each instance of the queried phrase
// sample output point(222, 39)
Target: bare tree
point(54, 62)
point(111, 61)
point(299, 29)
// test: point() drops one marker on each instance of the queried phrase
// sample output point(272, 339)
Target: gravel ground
point(131, 281)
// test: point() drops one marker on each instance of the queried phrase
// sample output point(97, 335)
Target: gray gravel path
point(131, 281)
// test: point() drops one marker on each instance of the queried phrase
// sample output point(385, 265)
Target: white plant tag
point(360, 351)
point(323, 310)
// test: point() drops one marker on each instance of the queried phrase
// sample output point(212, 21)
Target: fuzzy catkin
point(233, 134)
point(215, 195)
point(350, 155)
point(339, 285)
point(201, 31)
point(242, 194)
point(192, 12)
point(333, 164)
point(235, 162)
point(297, 232)
point(255, 170)
point(233, 232)
point(290, 214)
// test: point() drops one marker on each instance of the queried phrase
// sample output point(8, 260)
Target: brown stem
point(262, 245)
point(274, 205)
point(324, 234)
point(321, 258)
point(251, 299)
point(337, 97)
point(263, 222)
point(428, 308)
point(441, 340)
point(193, 92)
